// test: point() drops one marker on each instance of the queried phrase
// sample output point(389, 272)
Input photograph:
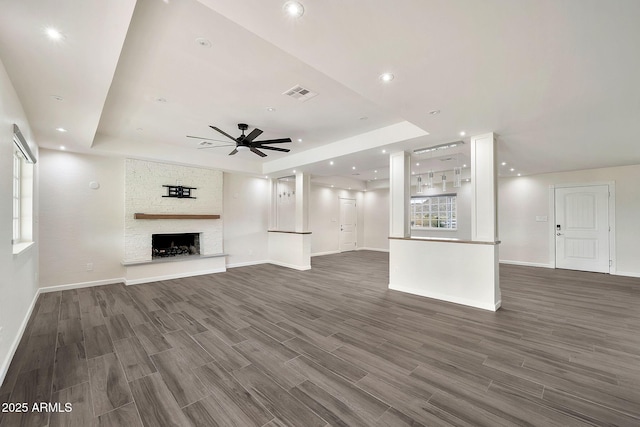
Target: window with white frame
point(434, 212)
point(23, 161)
point(17, 174)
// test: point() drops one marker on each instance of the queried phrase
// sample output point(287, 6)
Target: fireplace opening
point(171, 245)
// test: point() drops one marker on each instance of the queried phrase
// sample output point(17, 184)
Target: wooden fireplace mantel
point(173, 216)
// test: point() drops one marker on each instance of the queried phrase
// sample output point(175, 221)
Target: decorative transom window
point(434, 212)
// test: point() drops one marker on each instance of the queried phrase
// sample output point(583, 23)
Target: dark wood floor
point(268, 346)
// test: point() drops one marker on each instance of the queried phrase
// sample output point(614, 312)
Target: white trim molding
point(445, 297)
point(373, 249)
point(325, 253)
point(295, 267)
point(56, 288)
point(526, 263)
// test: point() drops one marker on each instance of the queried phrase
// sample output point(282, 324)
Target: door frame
point(612, 219)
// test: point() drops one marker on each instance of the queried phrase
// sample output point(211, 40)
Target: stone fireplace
point(174, 245)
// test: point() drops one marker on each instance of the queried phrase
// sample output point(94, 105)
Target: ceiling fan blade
point(258, 152)
point(215, 146)
point(223, 132)
point(252, 135)
point(208, 139)
point(284, 150)
point(273, 141)
point(235, 150)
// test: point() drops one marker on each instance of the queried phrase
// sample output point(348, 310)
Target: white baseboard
point(247, 263)
point(462, 301)
point(57, 288)
point(372, 249)
point(295, 267)
point(325, 253)
point(627, 274)
point(4, 368)
point(173, 276)
point(526, 263)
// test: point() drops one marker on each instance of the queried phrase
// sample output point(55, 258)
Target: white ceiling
point(557, 81)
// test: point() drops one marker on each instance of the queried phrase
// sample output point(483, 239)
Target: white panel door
point(347, 224)
point(582, 228)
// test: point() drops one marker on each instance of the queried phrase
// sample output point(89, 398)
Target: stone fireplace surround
point(143, 194)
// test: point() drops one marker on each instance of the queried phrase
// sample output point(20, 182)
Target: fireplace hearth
point(173, 245)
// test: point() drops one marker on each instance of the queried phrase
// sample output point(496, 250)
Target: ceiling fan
point(246, 142)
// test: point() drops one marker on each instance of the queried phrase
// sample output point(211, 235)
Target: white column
point(484, 192)
point(400, 194)
point(303, 189)
point(273, 207)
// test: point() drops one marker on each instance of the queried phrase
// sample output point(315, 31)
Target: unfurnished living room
point(318, 213)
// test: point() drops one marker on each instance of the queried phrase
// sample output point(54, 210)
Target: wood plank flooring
point(268, 346)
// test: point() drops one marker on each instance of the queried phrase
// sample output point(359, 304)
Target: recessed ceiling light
point(417, 164)
point(331, 186)
point(468, 179)
point(386, 77)
point(294, 171)
point(62, 147)
point(434, 112)
point(61, 129)
point(464, 166)
point(519, 174)
point(375, 177)
point(349, 188)
point(271, 109)
point(53, 34)
point(294, 9)
point(161, 100)
point(299, 139)
point(503, 163)
point(201, 41)
point(463, 133)
point(384, 151)
point(57, 98)
point(331, 162)
point(512, 169)
point(413, 172)
point(353, 167)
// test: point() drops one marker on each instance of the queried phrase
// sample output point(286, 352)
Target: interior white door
point(582, 228)
point(347, 225)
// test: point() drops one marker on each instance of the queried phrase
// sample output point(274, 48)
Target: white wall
point(324, 218)
point(18, 277)
point(522, 199)
point(376, 219)
point(80, 225)
point(246, 218)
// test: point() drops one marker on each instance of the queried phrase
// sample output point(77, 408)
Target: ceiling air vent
point(300, 93)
